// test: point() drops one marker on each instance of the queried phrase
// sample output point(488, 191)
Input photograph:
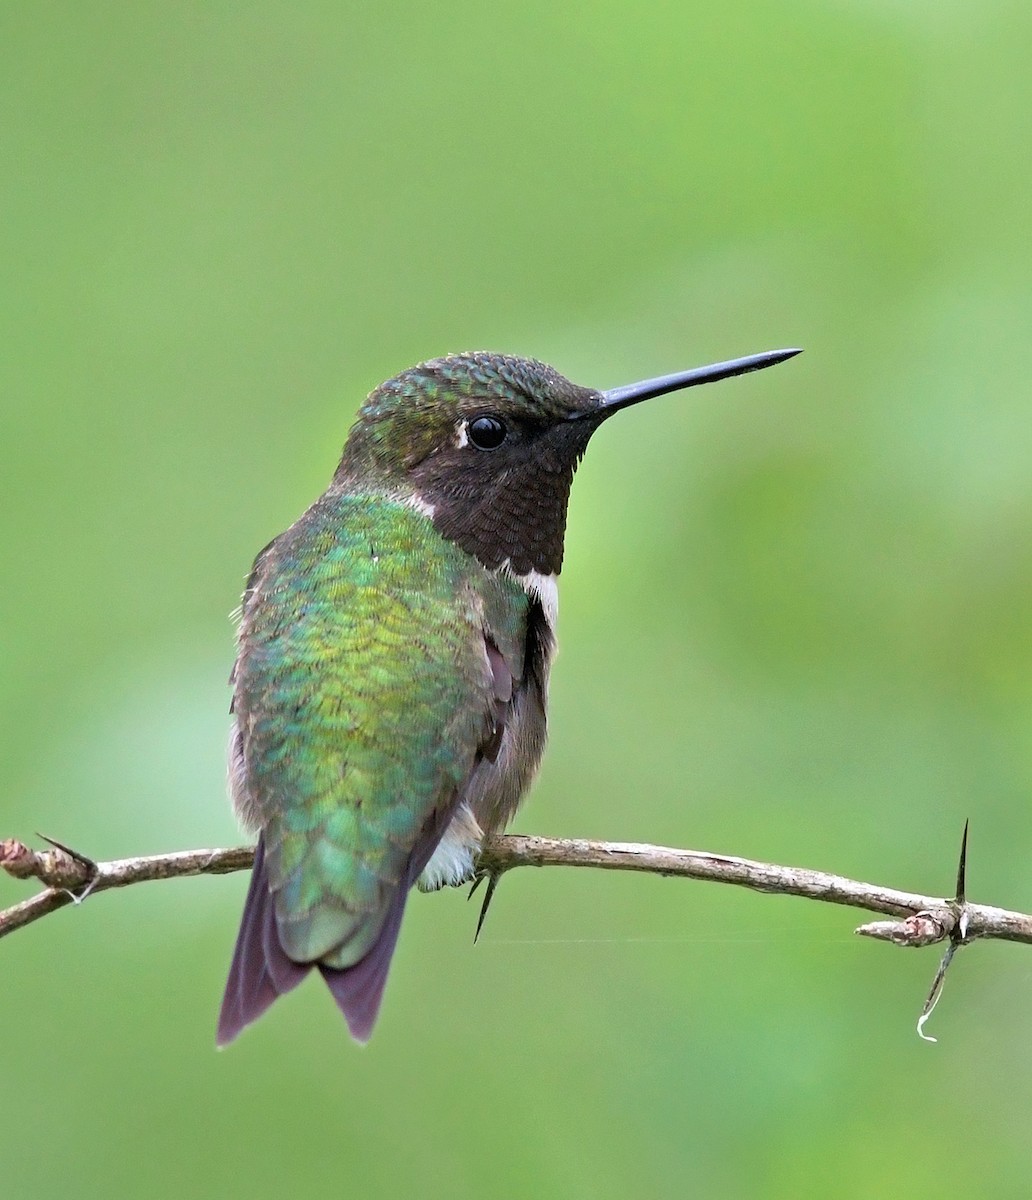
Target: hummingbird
point(393, 653)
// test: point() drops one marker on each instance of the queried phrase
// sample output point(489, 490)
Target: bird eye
point(486, 433)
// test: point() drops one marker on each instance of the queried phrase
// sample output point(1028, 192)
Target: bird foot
point(492, 878)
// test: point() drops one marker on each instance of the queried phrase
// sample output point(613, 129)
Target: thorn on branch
point(925, 928)
point(958, 938)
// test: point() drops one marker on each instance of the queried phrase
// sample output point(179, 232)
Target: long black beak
point(634, 393)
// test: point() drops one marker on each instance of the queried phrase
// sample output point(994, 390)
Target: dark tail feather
point(358, 990)
point(260, 971)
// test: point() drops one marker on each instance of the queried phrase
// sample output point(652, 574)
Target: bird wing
point(375, 662)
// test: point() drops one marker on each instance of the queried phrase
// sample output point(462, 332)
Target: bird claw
point(492, 878)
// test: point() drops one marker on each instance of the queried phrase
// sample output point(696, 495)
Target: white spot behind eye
point(461, 436)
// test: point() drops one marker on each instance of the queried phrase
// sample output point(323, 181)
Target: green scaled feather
point(363, 693)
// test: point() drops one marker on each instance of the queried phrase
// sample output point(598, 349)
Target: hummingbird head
point(487, 444)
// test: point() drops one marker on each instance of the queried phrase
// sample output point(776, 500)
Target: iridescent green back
point(363, 694)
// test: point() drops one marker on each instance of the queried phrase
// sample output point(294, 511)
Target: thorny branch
point(919, 920)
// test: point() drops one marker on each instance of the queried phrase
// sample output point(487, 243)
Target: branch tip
point(921, 929)
point(17, 859)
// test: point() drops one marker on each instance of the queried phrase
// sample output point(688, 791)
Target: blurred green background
point(796, 620)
